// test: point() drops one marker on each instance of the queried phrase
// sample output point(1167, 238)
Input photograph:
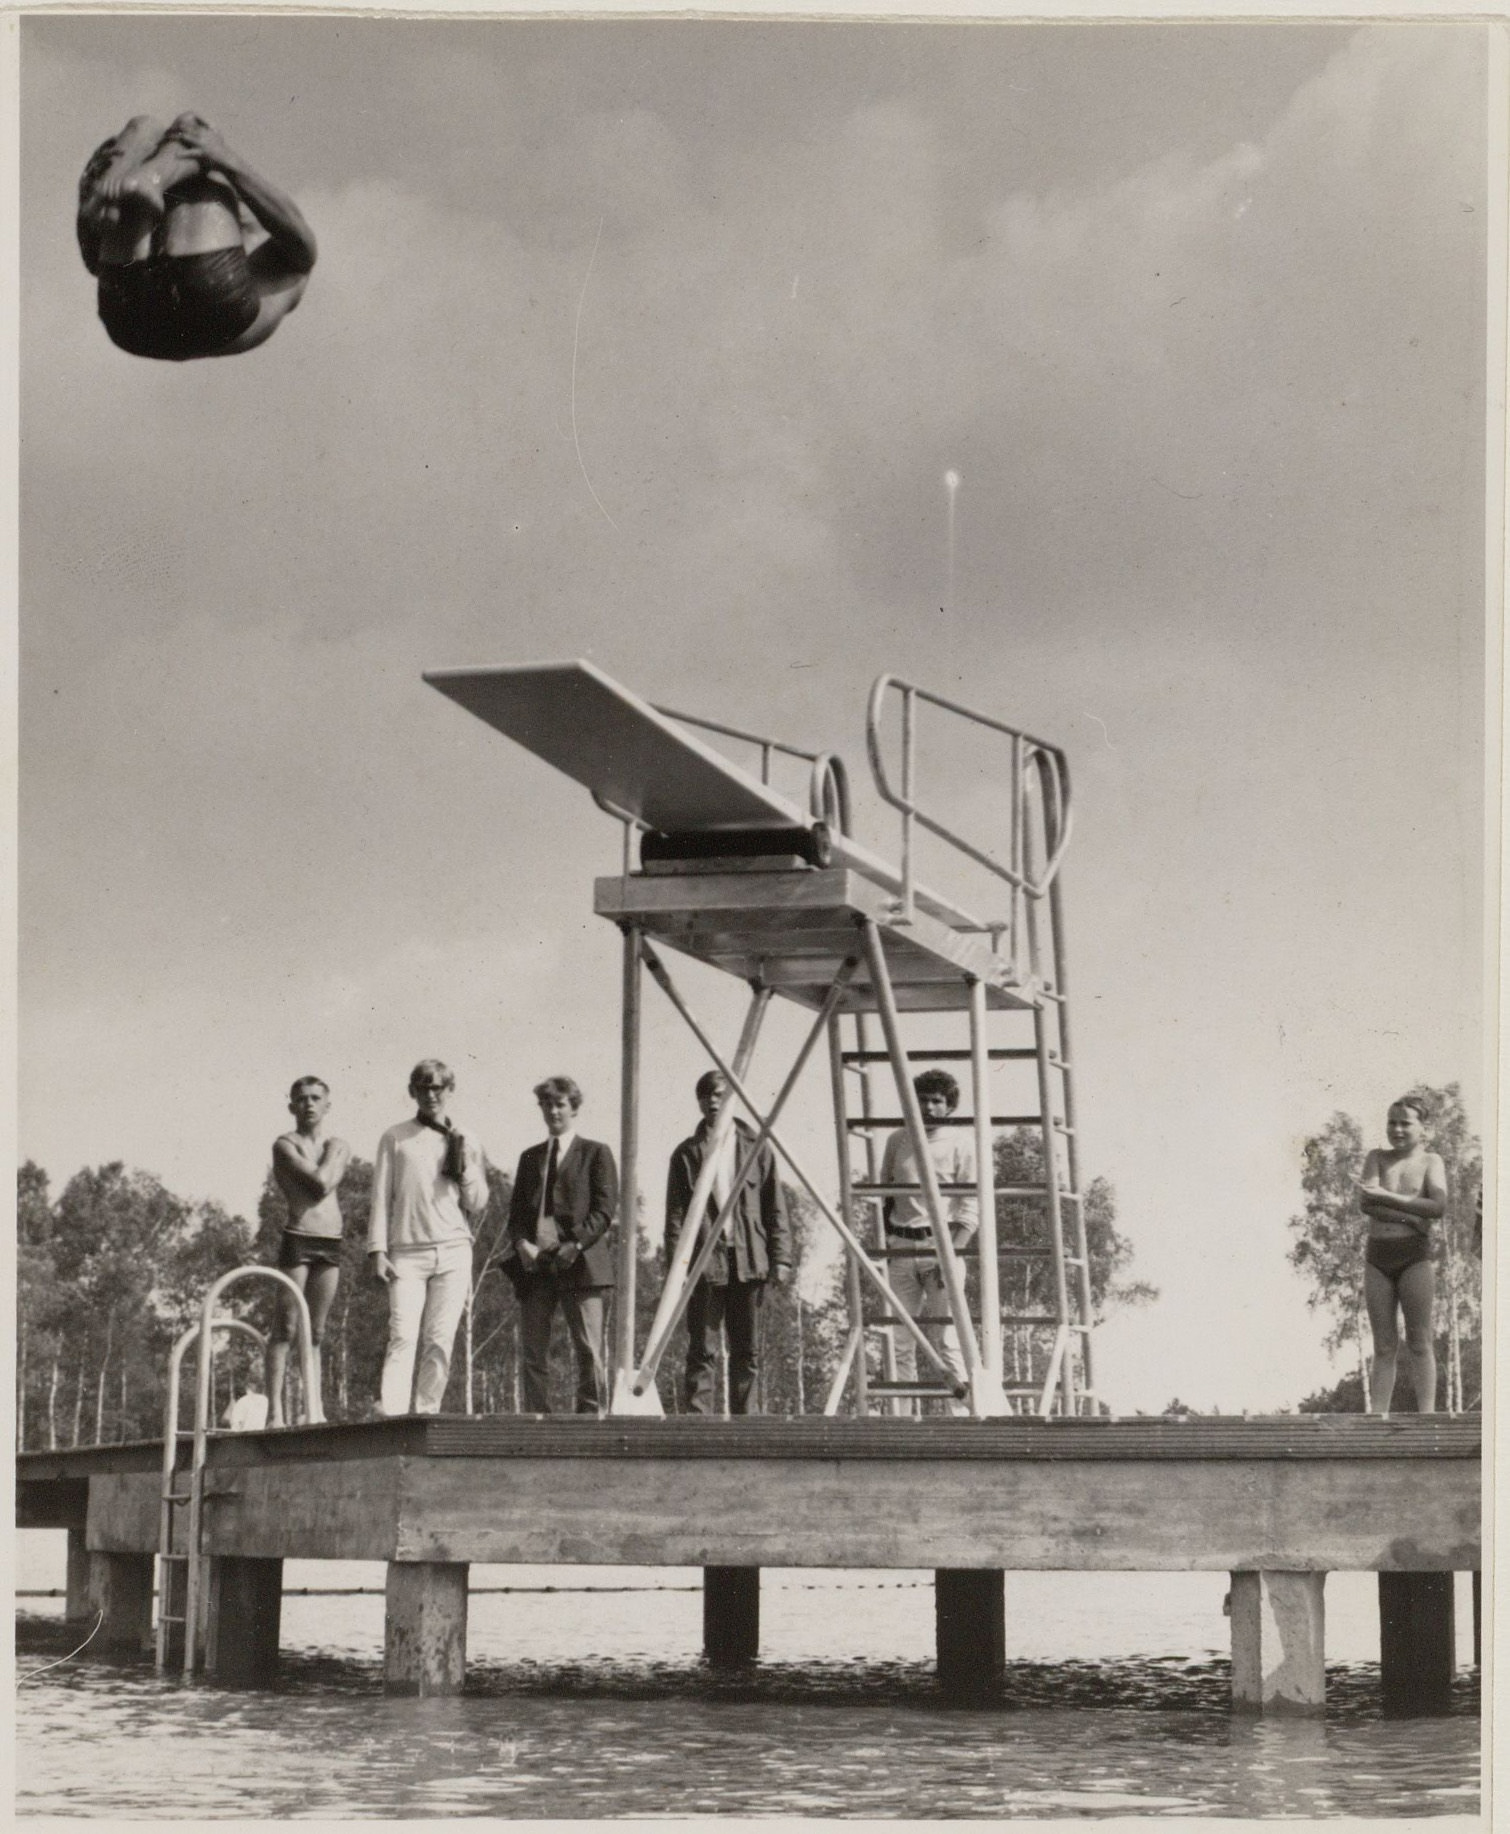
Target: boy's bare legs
point(320, 1292)
point(318, 1284)
point(1379, 1294)
point(200, 218)
point(1418, 1291)
point(149, 182)
point(277, 1347)
point(115, 235)
point(137, 141)
point(114, 226)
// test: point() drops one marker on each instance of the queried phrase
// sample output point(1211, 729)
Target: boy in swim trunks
point(160, 225)
point(308, 1165)
point(1403, 1191)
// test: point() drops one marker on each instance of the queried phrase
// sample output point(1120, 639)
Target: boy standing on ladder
point(916, 1278)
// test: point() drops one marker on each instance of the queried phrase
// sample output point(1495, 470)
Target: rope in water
point(32, 1674)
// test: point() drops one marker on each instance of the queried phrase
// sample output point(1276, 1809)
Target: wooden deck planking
point(1085, 1517)
point(300, 1510)
point(1285, 1494)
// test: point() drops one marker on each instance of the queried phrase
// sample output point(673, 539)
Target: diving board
point(639, 762)
point(632, 757)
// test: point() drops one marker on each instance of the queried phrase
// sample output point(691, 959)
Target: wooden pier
point(1276, 1502)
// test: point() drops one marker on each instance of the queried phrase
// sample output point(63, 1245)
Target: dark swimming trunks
point(1392, 1254)
point(175, 307)
point(308, 1251)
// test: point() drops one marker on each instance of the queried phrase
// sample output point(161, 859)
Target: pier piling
point(1416, 1642)
point(1279, 1644)
point(76, 1607)
point(244, 1607)
point(969, 1617)
point(731, 1615)
point(120, 1591)
point(425, 1628)
point(1478, 1619)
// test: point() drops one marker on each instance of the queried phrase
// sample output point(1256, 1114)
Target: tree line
point(112, 1270)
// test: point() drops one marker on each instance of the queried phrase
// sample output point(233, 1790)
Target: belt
point(909, 1232)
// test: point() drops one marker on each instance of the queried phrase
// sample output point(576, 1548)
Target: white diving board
point(602, 736)
point(638, 761)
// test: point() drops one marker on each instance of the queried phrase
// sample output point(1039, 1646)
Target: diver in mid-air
point(167, 223)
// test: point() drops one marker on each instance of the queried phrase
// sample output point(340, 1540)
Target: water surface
point(596, 1703)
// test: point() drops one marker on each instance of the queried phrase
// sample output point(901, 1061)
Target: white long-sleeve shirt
point(414, 1205)
point(953, 1156)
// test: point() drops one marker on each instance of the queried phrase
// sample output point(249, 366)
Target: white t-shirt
point(953, 1155)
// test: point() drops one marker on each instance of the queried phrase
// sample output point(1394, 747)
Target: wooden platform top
point(1274, 1438)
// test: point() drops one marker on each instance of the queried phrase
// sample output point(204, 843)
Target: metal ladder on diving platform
point(1030, 1299)
point(181, 1590)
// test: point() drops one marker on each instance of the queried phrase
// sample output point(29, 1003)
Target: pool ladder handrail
point(192, 1558)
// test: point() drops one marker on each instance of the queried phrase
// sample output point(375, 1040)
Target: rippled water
point(596, 1704)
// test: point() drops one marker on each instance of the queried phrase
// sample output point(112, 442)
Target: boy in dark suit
point(566, 1192)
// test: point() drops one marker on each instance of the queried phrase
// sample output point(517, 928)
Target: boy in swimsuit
point(308, 1165)
point(1403, 1191)
point(160, 225)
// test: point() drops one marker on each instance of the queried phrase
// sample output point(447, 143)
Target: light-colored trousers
point(916, 1282)
point(426, 1298)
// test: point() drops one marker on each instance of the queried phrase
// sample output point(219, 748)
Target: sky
point(652, 343)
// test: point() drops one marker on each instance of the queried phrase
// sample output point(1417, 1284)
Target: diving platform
point(722, 866)
point(793, 931)
point(1276, 1502)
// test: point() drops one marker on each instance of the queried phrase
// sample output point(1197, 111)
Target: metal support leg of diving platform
point(634, 1388)
point(629, 1172)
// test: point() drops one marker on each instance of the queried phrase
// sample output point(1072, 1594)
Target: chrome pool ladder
point(180, 1579)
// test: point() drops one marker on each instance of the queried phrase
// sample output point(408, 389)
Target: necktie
point(546, 1233)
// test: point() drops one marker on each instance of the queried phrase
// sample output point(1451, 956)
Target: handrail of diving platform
point(828, 791)
point(1054, 789)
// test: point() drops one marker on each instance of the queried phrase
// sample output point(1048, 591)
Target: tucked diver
point(168, 224)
